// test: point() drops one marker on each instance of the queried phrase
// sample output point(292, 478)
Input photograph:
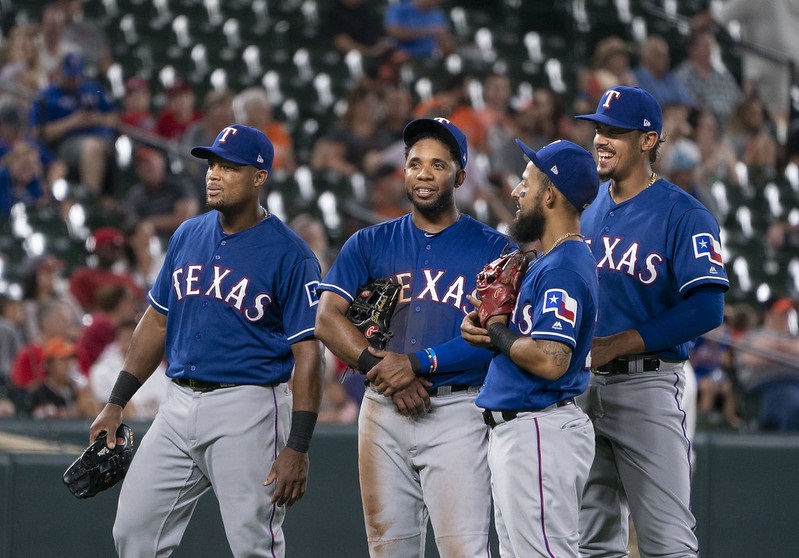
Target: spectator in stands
point(453, 103)
point(89, 35)
point(13, 131)
point(115, 305)
point(751, 138)
point(104, 372)
point(610, 65)
point(768, 366)
point(19, 60)
point(43, 283)
point(50, 40)
point(164, 199)
point(345, 146)
point(55, 320)
point(64, 392)
point(22, 179)
point(105, 266)
point(251, 107)
point(770, 26)
point(179, 111)
point(144, 252)
point(12, 337)
point(77, 119)
point(496, 115)
point(420, 28)
point(710, 83)
point(654, 74)
point(711, 357)
point(717, 160)
point(217, 113)
point(137, 105)
point(355, 25)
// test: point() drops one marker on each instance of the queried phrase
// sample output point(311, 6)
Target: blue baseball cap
point(628, 108)
point(571, 169)
point(239, 144)
point(441, 128)
point(72, 64)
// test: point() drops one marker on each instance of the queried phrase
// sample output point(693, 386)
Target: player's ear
point(460, 176)
point(260, 177)
point(648, 140)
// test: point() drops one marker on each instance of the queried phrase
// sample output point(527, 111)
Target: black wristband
point(126, 385)
point(302, 425)
point(416, 364)
point(502, 337)
point(367, 361)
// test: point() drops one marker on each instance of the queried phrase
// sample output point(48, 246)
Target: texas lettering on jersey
point(617, 257)
point(435, 290)
point(186, 281)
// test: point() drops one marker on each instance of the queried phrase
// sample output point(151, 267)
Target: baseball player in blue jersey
point(541, 443)
point(421, 440)
point(234, 309)
point(661, 285)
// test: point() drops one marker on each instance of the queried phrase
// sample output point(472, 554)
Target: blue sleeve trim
point(456, 355)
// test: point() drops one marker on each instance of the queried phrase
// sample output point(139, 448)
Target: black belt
point(493, 418)
point(204, 387)
point(629, 366)
point(446, 390)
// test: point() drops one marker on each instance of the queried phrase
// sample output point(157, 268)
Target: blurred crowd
point(68, 142)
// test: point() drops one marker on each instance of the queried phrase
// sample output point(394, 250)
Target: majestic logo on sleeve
point(705, 246)
point(559, 302)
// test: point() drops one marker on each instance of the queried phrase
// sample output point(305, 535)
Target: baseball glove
point(372, 309)
point(99, 468)
point(498, 284)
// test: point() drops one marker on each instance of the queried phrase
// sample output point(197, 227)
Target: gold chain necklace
point(555, 245)
point(652, 179)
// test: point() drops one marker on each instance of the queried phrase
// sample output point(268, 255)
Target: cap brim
point(605, 119)
point(205, 152)
point(528, 151)
point(434, 127)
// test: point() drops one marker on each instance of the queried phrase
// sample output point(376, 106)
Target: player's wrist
point(502, 337)
point(124, 388)
point(426, 360)
point(302, 427)
point(367, 361)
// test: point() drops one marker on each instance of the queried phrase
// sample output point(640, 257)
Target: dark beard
point(432, 208)
point(529, 227)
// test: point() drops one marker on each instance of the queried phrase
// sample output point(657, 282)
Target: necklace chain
point(652, 179)
point(557, 243)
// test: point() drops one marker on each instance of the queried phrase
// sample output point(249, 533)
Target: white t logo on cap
point(442, 120)
point(225, 131)
point(610, 94)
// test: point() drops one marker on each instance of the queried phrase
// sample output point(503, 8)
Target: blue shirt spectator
point(420, 27)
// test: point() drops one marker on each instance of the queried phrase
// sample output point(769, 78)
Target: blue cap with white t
point(239, 144)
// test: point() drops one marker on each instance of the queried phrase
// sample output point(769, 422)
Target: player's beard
point(434, 207)
point(529, 226)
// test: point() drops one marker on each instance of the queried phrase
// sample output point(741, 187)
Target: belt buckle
point(443, 390)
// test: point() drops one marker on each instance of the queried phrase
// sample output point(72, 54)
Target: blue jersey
point(650, 251)
point(56, 103)
point(235, 302)
point(558, 302)
point(436, 272)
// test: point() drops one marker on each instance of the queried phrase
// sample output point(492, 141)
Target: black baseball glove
point(99, 468)
point(372, 309)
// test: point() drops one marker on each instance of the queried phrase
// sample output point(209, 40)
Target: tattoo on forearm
point(560, 353)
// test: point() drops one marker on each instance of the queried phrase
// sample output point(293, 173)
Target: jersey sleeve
point(696, 253)
point(349, 270)
point(299, 299)
point(557, 307)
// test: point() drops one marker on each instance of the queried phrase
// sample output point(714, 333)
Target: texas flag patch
point(705, 246)
point(559, 302)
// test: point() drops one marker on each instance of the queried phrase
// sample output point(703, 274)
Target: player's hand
point(413, 401)
point(392, 373)
point(290, 475)
point(605, 349)
point(471, 331)
point(108, 420)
